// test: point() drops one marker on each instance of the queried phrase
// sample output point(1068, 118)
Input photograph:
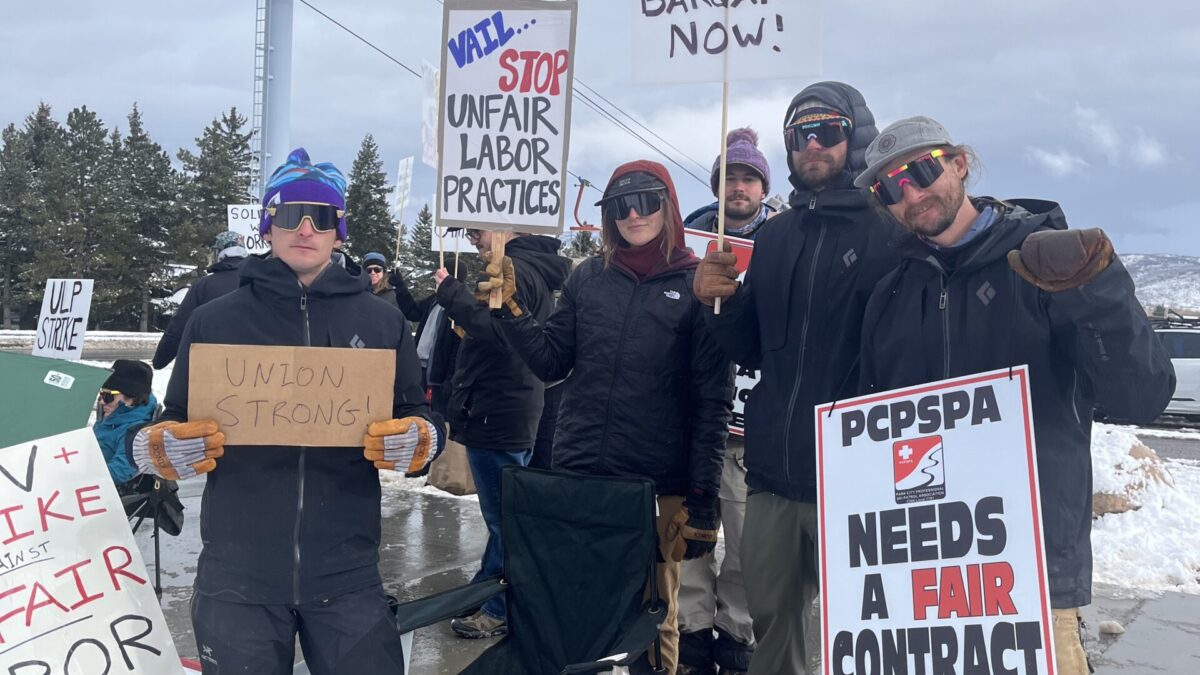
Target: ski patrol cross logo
point(919, 469)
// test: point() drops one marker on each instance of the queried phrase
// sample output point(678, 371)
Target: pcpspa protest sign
point(75, 596)
point(701, 244)
point(305, 396)
point(505, 114)
point(63, 319)
point(686, 41)
point(243, 219)
point(930, 522)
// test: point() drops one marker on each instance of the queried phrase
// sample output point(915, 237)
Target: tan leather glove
point(409, 444)
point(1059, 260)
point(716, 276)
point(178, 450)
point(502, 275)
point(691, 537)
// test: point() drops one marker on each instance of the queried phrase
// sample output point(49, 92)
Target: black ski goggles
point(646, 203)
point(827, 132)
point(921, 172)
point(288, 216)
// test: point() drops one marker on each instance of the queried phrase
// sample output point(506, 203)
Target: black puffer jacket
point(222, 278)
point(798, 315)
point(929, 321)
point(649, 394)
point(286, 524)
point(496, 401)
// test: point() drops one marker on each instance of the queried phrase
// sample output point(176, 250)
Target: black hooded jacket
point(287, 524)
point(798, 315)
point(222, 278)
point(939, 316)
point(496, 401)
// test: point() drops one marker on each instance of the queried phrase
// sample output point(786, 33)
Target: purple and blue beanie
point(742, 148)
point(299, 180)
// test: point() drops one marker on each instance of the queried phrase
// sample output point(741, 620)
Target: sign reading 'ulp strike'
point(505, 114)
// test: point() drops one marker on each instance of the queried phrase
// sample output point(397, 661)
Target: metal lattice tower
point(271, 114)
point(260, 90)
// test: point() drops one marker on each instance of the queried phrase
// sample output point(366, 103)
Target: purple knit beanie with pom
point(299, 180)
point(742, 149)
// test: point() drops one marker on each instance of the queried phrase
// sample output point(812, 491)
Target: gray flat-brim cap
point(899, 139)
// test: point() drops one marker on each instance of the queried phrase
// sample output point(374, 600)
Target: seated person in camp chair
point(124, 406)
point(291, 534)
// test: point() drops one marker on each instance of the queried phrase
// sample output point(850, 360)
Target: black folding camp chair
point(147, 497)
point(579, 555)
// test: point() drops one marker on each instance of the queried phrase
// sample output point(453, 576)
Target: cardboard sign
point(243, 219)
point(930, 522)
point(505, 119)
point(683, 41)
point(305, 396)
point(63, 319)
point(74, 594)
point(701, 244)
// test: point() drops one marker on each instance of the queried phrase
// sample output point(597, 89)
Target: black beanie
point(131, 378)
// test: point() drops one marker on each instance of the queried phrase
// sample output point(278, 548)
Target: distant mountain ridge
point(1169, 280)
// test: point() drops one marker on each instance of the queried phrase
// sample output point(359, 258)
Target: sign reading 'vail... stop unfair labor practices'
point(74, 593)
point(930, 519)
point(505, 114)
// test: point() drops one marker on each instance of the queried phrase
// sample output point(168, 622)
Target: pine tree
point(17, 199)
point(216, 177)
point(46, 153)
point(151, 214)
point(418, 261)
point(583, 245)
point(369, 219)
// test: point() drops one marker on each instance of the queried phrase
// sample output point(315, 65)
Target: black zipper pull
point(942, 299)
point(812, 203)
point(303, 301)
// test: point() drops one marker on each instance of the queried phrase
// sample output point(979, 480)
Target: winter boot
point(732, 656)
point(695, 653)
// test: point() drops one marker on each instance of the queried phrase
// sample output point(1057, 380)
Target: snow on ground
point(1188, 434)
point(1157, 547)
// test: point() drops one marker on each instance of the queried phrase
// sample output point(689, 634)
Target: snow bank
point(1157, 547)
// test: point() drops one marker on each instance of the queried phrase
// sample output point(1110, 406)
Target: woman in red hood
point(649, 391)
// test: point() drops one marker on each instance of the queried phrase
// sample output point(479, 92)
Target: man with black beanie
point(797, 319)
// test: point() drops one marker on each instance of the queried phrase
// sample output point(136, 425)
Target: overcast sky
point(1090, 104)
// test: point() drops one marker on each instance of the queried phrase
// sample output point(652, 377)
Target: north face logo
point(357, 342)
point(985, 293)
point(849, 258)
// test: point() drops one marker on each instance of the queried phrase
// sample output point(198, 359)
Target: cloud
point(1149, 152)
point(1099, 132)
point(1059, 163)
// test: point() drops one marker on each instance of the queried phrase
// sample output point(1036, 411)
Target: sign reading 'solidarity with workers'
point(505, 114)
point(931, 545)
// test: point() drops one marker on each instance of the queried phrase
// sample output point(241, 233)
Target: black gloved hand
point(395, 278)
point(1059, 260)
point(693, 531)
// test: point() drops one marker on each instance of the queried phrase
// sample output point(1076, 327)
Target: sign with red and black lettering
point(931, 548)
point(74, 593)
point(505, 114)
point(702, 243)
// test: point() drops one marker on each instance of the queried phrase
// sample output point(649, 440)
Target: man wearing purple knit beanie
point(747, 184)
point(291, 533)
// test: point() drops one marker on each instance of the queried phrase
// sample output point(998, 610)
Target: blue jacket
point(115, 433)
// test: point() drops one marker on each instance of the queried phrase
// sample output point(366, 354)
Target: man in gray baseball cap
point(986, 284)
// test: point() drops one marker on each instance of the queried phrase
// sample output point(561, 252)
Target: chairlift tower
point(271, 115)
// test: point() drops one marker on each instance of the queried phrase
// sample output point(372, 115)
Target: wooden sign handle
point(496, 299)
